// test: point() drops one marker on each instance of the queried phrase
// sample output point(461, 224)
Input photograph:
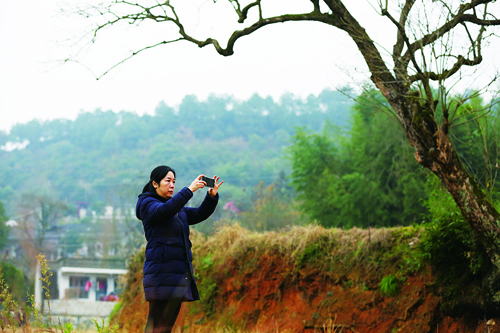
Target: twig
point(334, 326)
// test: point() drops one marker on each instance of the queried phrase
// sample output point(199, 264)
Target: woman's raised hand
point(197, 184)
point(213, 191)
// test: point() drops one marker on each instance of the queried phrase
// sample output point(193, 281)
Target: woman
point(168, 271)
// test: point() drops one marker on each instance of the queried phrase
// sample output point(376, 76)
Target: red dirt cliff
point(308, 279)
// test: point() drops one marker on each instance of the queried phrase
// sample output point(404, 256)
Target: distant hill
point(104, 157)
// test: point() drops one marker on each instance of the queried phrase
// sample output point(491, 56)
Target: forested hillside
point(104, 157)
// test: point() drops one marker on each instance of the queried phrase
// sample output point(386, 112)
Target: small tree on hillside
point(434, 41)
point(37, 214)
point(362, 177)
point(4, 229)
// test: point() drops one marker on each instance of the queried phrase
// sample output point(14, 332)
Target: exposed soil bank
point(307, 280)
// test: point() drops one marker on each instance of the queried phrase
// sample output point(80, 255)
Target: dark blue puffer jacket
point(168, 269)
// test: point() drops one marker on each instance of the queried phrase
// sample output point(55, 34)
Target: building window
point(79, 287)
point(101, 289)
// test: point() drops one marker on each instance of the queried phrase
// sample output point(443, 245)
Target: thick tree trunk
point(475, 207)
point(435, 152)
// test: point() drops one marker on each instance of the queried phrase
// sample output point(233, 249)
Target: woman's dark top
point(168, 269)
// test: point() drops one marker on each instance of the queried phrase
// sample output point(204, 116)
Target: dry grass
point(233, 240)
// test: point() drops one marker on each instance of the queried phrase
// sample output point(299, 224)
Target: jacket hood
point(144, 196)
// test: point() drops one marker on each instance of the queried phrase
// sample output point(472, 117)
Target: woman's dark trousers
point(162, 315)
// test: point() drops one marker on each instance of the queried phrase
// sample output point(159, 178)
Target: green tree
point(476, 137)
point(15, 279)
point(378, 150)
point(315, 163)
point(361, 177)
point(4, 229)
point(38, 213)
point(273, 209)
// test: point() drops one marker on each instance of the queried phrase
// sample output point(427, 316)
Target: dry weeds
point(233, 240)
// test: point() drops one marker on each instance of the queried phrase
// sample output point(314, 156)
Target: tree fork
point(434, 151)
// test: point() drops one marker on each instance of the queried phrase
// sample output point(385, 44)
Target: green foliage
point(362, 177)
point(273, 209)
point(73, 240)
point(34, 309)
point(449, 244)
point(314, 167)
point(207, 286)
point(389, 286)
point(208, 290)
point(406, 251)
point(475, 134)
point(40, 209)
point(67, 328)
point(313, 251)
point(46, 282)
point(206, 262)
point(4, 230)
point(7, 304)
point(15, 279)
point(116, 309)
point(103, 328)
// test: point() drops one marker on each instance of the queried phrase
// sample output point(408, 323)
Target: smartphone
point(210, 181)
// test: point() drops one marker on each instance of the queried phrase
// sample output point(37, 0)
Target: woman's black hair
point(157, 175)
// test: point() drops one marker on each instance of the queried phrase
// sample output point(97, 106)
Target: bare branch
point(400, 71)
point(461, 61)
point(229, 50)
point(339, 17)
point(482, 22)
point(481, 115)
point(398, 47)
point(132, 55)
point(243, 14)
point(456, 19)
point(146, 13)
point(316, 5)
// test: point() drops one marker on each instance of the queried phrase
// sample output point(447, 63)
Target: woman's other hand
point(197, 184)
point(213, 191)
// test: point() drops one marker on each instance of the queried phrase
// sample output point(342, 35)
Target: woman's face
point(167, 186)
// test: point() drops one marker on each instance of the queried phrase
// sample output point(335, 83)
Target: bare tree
point(436, 40)
point(37, 214)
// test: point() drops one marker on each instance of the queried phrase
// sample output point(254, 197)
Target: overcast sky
point(300, 58)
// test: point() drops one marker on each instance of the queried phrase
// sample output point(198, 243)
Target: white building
point(82, 287)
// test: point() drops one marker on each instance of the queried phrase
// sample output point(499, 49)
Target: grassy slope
point(301, 280)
